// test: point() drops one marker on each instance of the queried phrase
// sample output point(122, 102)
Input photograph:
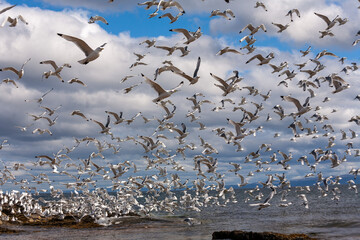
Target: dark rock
point(242, 235)
point(4, 230)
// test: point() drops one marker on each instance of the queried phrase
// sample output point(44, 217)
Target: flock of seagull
point(154, 190)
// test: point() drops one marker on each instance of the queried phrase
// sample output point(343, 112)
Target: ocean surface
point(325, 219)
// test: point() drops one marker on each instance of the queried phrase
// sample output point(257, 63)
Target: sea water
point(324, 219)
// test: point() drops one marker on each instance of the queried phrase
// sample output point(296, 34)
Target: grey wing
point(51, 62)
point(7, 8)
point(197, 67)
point(78, 42)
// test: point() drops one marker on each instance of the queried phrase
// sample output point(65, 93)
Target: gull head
point(99, 49)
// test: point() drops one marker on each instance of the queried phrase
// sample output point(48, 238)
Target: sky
point(130, 25)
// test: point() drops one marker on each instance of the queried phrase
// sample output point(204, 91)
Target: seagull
point(305, 201)
point(39, 100)
point(248, 40)
point(89, 52)
point(260, 4)
point(51, 111)
point(13, 21)
point(97, 18)
point(267, 200)
point(265, 97)
point(356, 42)
point(42, 131)
point(281, 27)
point(77, 112)
point(129, 89)
point(24, 129)
point(184, 51)
point(301, 108)
point(278, 68)
point(148, 4)
point(190, 36)
point(253, 29)
point(226, 87)
point(339, 84)
point(249, 48)
point(329, 23)
point(310, 72)
point(290, 13)
point(239, 132)
point(223, 14)
point(171, 17)
point(161, 92)
point(228, 49)
point(171, 3)
point(8, 80)
point(261, 58)
point(76, 80)
point(56, 68)
point(306, 52)
point(104, 128)
point(149, 43)
point(126, 78)
point(20, 72)
point(195, 78)
point(242, 179)
point(137, 63)
point(51, 122)
point(117, 117)
point(324, 53)
point(326, 33)
point(342, 21)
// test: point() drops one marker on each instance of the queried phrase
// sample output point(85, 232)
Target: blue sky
point(129, 25)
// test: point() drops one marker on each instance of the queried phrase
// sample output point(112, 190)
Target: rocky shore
point(242, 235)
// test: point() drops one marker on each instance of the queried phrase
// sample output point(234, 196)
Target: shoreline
point(9, 228)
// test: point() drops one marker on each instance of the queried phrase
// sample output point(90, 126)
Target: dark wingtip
point(60, 34)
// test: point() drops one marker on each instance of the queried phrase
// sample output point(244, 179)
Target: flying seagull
point(97, 18)
point(329, 23)
point(161, 92)
point(90, 54)
point(20, 72)
point(290, 13)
